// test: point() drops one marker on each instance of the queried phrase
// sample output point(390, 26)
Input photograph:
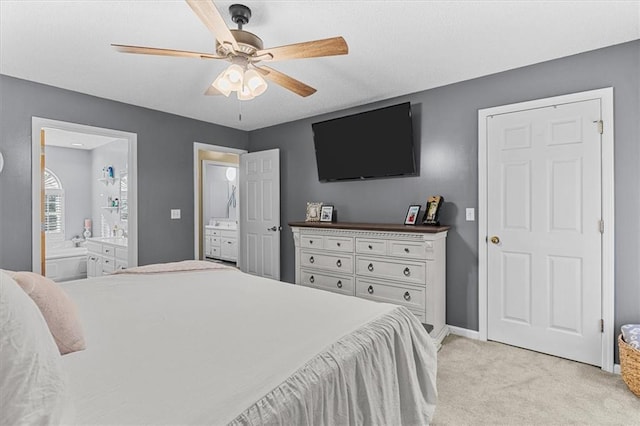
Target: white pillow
point(32, 385)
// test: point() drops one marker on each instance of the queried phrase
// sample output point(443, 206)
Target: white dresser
point(405, 265)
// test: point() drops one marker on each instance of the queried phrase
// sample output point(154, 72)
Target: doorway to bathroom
point(220, 209)
point(84, 199)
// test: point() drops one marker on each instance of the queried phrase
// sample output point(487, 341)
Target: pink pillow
point(57, 309)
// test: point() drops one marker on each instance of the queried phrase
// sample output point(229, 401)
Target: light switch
point(175, 213)
point(471, 214)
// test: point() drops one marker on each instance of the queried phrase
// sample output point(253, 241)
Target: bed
point(206, 344)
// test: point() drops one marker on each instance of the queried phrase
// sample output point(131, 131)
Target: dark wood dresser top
point(424, 229)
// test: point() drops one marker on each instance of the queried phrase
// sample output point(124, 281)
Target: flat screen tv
point(372, 144)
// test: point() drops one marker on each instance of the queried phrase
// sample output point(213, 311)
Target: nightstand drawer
point(405, 271)
point(330, 262)
point(411, 297)
point(371, 246)
point(311, 241)
point(411, 250)
point(338, 244)
point(327, 282)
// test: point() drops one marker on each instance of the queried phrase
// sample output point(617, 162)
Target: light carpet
point(489, 383)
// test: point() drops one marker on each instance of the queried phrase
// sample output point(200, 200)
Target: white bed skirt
point(358, 385)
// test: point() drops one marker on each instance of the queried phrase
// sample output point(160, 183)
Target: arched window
point(53, 206)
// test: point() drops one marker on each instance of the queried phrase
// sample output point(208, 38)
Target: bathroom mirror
point(124, 208)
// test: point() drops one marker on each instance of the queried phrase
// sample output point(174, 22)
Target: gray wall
point(165, 165)
point(73, 168)
point(446, 128)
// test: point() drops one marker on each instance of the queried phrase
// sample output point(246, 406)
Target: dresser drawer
point(405, 271)
point(411, 250)
point(337, 284)
point(212, 232)
point(420, 315)
point(339, 244)
point(329, 262)
point(311, 241)
point(409, 296)
point(108, 250)
point(371, 246)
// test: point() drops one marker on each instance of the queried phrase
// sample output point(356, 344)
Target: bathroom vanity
point(221, 240)
point(106, 255)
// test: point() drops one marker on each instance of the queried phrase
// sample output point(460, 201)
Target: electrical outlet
point(471, 214)
point(175, 213)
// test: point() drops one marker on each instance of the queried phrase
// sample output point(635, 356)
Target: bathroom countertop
point(116, 241)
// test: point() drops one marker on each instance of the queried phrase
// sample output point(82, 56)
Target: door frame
point(605, 96)
point(197, 213)
point(37, 124)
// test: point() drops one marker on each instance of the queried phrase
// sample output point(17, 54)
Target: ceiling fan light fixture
point(254, 82)
point(245, 94)
point(222, 84)
point(234, 76)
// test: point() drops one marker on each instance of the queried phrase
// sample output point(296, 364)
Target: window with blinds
point(53, 206)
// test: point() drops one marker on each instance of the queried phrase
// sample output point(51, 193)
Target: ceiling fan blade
point(164, 52)
point(285, 81)
point(211, 18)
point(310, 49)
point(212, 91)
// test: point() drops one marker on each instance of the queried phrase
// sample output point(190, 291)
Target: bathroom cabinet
point(106, 255)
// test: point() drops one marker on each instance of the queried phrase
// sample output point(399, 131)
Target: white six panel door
point(544, 197)
point(260, 213)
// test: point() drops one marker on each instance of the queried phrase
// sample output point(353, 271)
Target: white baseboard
point(616, 369)
point(464, 332)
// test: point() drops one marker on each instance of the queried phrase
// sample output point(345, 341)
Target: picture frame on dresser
point(326, 213)
point(313, 212)
point(412, 215)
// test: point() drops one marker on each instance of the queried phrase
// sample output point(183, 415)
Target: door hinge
point(601, 325)
point(601, 225)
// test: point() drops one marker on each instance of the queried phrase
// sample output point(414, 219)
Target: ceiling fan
point(245, 51)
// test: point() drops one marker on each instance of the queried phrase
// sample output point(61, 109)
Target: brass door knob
point(495, 239)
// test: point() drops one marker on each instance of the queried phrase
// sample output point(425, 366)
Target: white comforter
point(216, 347)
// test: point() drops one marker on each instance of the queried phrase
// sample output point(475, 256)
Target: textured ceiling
point(395, 48)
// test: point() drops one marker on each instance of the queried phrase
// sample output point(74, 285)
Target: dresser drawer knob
point(407, 296)
point(370, 289)
point(339, 263)
point(406, 272)
point(338, 244)
point(406, 249)
point(370, 247)
point(339, 284)
point(370, 267)
point(311, 259)
point(310, 241)
point(311, 279)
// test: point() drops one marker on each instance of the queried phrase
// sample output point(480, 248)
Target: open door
point(260, 213)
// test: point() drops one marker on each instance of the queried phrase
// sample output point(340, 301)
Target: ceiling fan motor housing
point(240, 14)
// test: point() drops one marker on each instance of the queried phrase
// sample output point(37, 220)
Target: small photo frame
point(432, 212)
point(412, 215)
point(326, 214)
point(313, 212)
